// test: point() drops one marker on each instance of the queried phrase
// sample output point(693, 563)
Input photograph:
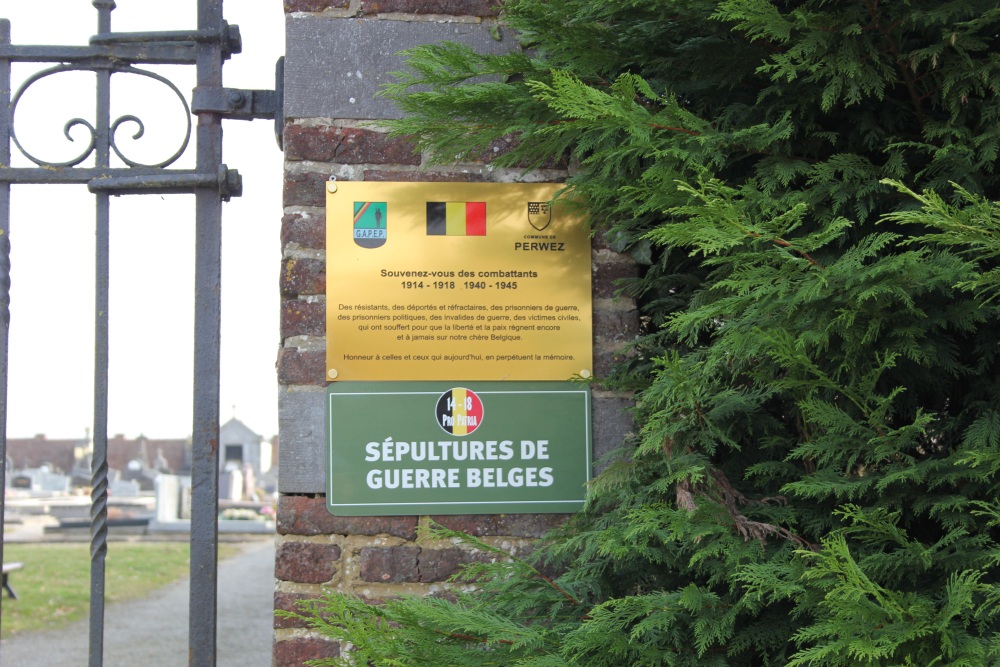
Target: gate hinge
point(241, 104)
point(235, 103)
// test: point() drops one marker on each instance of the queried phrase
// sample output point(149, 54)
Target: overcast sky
point(152, 253)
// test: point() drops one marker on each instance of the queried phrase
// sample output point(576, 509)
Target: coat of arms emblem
point(539, 214)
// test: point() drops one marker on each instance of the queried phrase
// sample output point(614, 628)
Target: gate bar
point(4, 271)
point(133, 180)
point(167, 53)
point(99, 467)
point(203, 615)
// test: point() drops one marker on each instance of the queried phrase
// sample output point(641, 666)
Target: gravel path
point(153, 631)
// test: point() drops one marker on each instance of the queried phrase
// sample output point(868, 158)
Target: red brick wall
point(379, 557)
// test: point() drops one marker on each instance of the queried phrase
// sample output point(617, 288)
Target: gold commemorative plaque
point(448, 281)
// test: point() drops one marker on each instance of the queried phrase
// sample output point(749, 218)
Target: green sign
point(398, 448)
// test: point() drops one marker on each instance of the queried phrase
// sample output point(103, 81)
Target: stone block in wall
point(389, 565)
point(438, 565)
point(606, 357)
point(295, 652)
point(301, 454)
point(404, 564)
point(289, 602)
point(613, 423)
point(617, 324)
point(307, 515)
point(304, 230)
point(302, 275)
point(504, 145)
point(424, 176)
point(302, 318)
point(508, 525)
point(305, 189)
point(306, 562)
point(481, 8)
point(335, 66)
point(343, 145)
point(314, 5)
point(301, 367)
point(609, 268)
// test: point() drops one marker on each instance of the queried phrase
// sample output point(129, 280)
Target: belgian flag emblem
point(370, 220)
point(456, 218)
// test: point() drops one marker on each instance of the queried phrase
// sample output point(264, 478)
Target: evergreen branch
point(572, 600)
point(476, 640)
point(652, 126)
point(723, 493)
point(670, 128)
point(747, 528)
point(781, 243)
point(907, 72)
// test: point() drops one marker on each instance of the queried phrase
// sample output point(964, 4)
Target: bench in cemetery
point(7, 569)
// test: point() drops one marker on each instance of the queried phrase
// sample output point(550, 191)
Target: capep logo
point(370, 220)
point(459, 411)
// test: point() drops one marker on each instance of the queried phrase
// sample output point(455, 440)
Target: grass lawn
point(53, 588)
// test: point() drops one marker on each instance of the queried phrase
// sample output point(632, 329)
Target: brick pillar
point(338, 53)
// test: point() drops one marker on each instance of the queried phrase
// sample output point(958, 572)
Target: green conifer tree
point(810, 187)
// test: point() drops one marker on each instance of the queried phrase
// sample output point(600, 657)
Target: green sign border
point(389, 400)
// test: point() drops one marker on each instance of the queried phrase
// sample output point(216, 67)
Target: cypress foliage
point(811, 189)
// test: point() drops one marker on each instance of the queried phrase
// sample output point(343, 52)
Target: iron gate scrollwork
point(211, 181)
point(114, 126)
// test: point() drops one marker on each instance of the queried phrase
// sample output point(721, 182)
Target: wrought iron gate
point(110, 53)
